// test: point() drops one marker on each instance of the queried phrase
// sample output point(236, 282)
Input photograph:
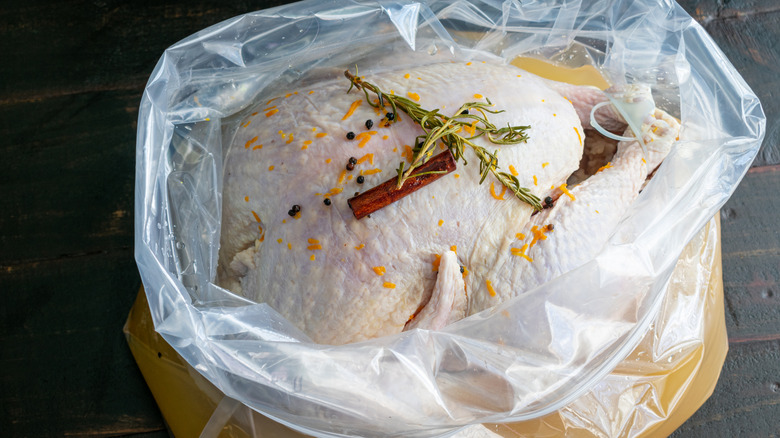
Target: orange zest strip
point(352, 109)
point(249, 143)
point(272, 112)
point(493, 191)
point(313, 241)
point(490, 288)
point(579, 137)
point(314, 247)
point(370, 172)
point(361, 246)
point(389, 285)
point(321, 134)
point(414, 96)
point(520, 252)
point(538, 234)
point(408, 153)
point(567, 192)
point(342, 175)
point(536, 181)
point(512, 170)
point(380, 270)
point(471, 128)
point(257, 218)
point(364, 137)
point(436, 262)
point(369, 157)
point(246, 124)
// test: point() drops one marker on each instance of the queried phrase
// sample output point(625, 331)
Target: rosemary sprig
point(471, 118)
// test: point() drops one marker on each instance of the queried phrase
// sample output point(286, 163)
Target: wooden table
point(71, 78)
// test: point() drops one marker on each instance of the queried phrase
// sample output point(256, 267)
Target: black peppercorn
point(390, 116)
point(350, 166)
point(291, 213)
point(350, 135)
point(360, 179)
point(462, 269)
point(550, 227)
point(352, 160)
point(465, 111)
point(548, 202)
point(369, 124)
point(326, 201)
point(296, 208)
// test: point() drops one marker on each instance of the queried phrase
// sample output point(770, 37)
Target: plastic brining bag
point(559, 339)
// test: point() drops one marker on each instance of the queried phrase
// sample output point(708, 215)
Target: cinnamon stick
point(387, 193)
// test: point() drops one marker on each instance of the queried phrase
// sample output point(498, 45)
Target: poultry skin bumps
point(289, 238)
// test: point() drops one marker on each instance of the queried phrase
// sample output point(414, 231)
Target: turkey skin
point(289, 238)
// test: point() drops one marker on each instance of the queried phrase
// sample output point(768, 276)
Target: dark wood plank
point(751, 258)
point(68, 104)
point(83, 46)
point(747, 31)
point(746, 402)
point(65, 368)
point(68, 175)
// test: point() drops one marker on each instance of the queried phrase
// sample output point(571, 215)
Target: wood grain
point(751, 257)
point(66, 369)
point(70, 82)
point(748, 31)
point(746, 402)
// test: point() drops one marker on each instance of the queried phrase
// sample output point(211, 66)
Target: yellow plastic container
point(650, 394)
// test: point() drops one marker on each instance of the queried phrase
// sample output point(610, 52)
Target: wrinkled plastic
point(650, 393)
point(560, 339)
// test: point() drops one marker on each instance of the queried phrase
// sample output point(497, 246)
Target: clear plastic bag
point(650, 393)
point(560, 339)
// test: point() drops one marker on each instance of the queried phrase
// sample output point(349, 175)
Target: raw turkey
point(448, 250)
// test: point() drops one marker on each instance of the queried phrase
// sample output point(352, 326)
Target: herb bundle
point(470, 118)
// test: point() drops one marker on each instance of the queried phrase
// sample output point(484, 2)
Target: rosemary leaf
point(471, 116)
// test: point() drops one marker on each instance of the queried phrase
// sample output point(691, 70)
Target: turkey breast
point(345, 280)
